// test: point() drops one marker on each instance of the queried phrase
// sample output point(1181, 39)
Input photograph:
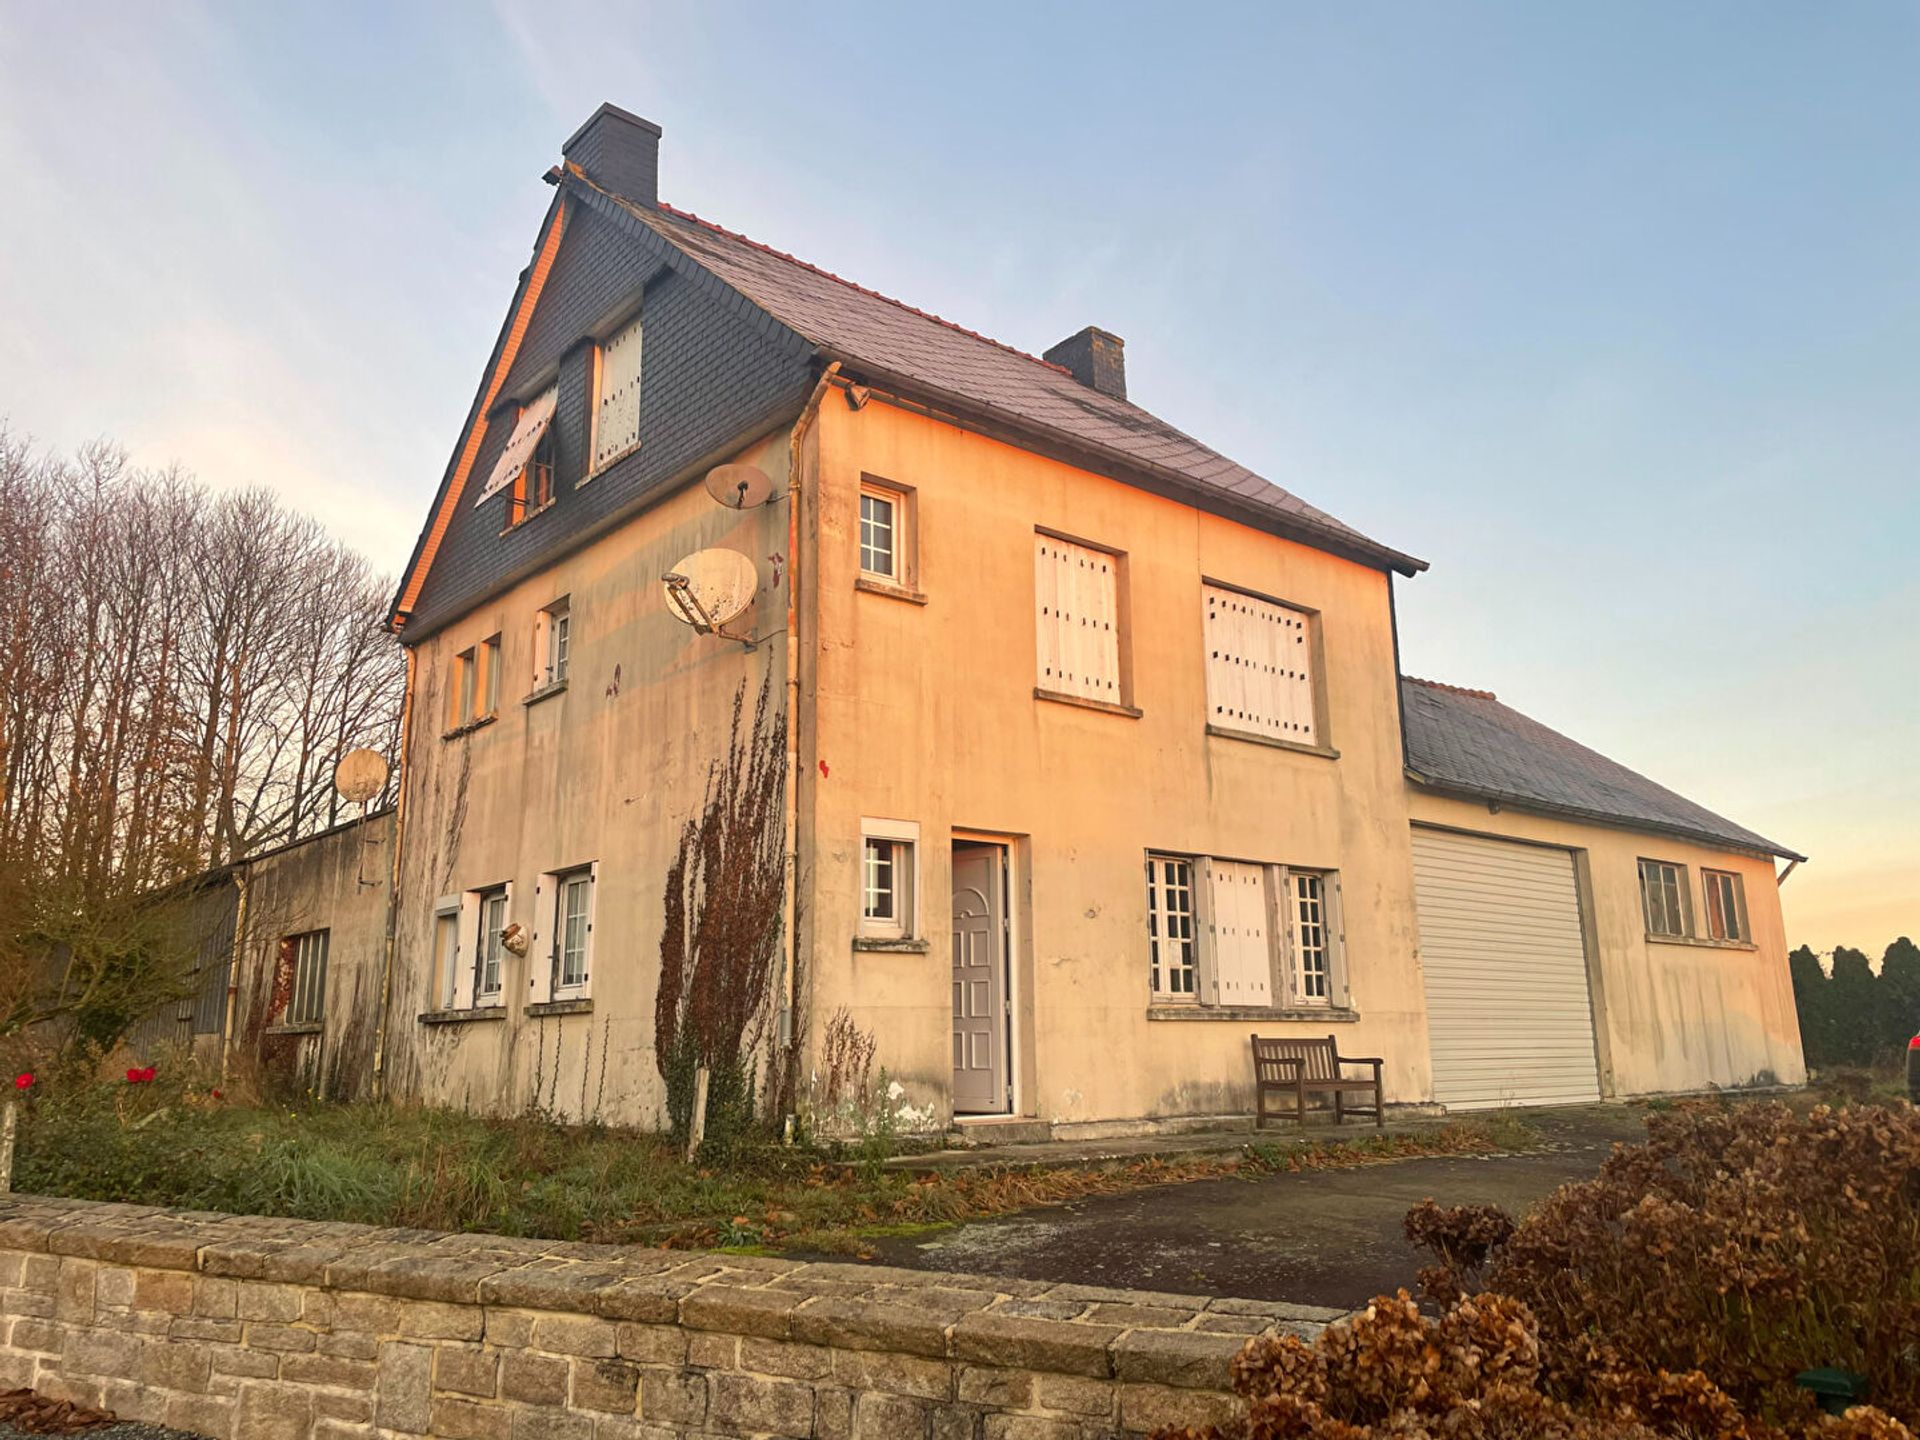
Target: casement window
point(1260, 667)
point(489, 947)
point(570, 931)
point(1663, 897)
point(1077, 621)
point(889, 852)
point(1726, 905)
point(552, 641)
point(306, 958)
point(616, 401)
point(880, 534)
point(1239, 935)
point(445, 994)
point(529, 443)
point(533, 491)
point(475, 693)
point(1172, 948)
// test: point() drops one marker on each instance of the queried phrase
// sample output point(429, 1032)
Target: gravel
point(126, 1430)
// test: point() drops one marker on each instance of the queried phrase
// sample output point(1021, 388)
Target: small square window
point(1726, 905)
point(887, 877)
point(1663, 897)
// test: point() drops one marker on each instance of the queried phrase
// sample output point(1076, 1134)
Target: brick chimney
point(620, 152)
point(1098, 360)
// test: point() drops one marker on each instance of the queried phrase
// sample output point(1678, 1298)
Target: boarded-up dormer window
point(616, 405)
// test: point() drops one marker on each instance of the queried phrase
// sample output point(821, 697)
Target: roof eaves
point(1612, 821)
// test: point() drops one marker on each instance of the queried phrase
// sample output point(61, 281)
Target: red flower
point(216, 1094)
point(141, 1077)
point(23, 1082)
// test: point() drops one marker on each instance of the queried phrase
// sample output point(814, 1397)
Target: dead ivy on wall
point(720, 944)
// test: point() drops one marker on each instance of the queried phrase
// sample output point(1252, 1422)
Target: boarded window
point(1242, 948)
point(528, 433)
point(307, 999)
point(1259, 666)
point(1077, 619)
point(616, 420)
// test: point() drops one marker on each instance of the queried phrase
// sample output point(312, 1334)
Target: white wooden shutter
point(1242, 942)
point(616, 423)
point(1077, 619)
point(1259, 666)
point(527, 431)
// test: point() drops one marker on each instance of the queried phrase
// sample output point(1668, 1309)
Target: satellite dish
point(710, 588)
point(739, 487)
point(360, 775)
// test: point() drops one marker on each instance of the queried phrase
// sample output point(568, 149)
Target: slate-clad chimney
point(620, 152)
point(1097, 360)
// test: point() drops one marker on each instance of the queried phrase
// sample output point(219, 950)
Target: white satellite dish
point(739, 487)
point(710, 588)
point(360, 775)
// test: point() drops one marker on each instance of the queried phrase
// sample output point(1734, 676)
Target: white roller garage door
point(1506, 972)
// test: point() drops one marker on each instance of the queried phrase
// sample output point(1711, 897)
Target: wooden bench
point(1311, 1067)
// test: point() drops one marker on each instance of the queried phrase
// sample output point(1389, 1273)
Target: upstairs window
point(616, 401)
point(1260, 667)
point(552, 644)
point(879, 534)
point(1663, 897)
point(529, 445)
point(1726, 905)
point(475, 693)
point(533, 491)
point(1077, 621)
point(306, 961)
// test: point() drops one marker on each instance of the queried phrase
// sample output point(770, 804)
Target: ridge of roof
point(1450, 689)
point(827, 274)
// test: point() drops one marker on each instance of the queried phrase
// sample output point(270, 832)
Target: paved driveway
point(1329, 1237)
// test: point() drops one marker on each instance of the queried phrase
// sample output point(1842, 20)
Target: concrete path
point(1329, 1237)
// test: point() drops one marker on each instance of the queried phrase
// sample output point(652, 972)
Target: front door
point(980, 1074)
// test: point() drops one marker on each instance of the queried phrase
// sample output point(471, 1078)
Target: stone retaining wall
point(249, 1328)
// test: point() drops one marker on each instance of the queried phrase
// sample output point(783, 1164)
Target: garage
point(1508, 1008)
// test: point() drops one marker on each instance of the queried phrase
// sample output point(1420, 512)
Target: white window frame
point(473, 917)
point(604, 456)
point(551, 985)
point(1172, 976)
point(447, 925)
point(1287, 926)
point(1676, 899)
point(894, 571)
point(1732, 905)
point(307, 995)
point(902, 838)
point(552, 644)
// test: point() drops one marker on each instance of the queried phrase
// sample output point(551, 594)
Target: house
point(1100, 757)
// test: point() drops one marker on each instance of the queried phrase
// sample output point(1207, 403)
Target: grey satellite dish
point(360, 775)
point(739, 487)
point(710, 588)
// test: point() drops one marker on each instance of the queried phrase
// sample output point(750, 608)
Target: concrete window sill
point(514, 525)
point(558, 687)
point(577, 1005)
point(1132, 712)
point(462, 1017)
point(1701, 942)
point(1250, 1012)
point(472, 725)
point(1273, 742)
point(888, 944)
point(304, 1027)
point(873, 585)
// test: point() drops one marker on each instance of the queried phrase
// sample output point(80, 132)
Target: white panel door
point(1508, 1009)
point(980, 1070)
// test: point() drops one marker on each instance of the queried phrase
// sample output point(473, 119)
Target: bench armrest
point(1373, 1060)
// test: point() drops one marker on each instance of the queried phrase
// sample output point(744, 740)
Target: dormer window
point(616, 399)
point(533, 491)
point(525, 466)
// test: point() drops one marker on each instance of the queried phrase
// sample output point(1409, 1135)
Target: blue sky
point(1611, 312)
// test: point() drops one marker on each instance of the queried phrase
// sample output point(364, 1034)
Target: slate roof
point(934, 359)
point(1466, 742)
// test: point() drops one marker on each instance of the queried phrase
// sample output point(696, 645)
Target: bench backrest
point(1315, 1057)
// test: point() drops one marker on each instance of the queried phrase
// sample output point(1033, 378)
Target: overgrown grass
point(174, 1144)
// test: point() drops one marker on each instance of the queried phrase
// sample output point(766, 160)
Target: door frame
point(1012, 900)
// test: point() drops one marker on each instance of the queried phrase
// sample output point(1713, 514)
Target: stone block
point(749, 1404)
point(46, 1336)
point(954, 1422)
point(165, 1290)
point(248, 1364)
point(434, 1320)
point(651, 1344)
point(466, 1370)
point(1002, 1389)
point(405, 1387)
point(551, 1425)
point(888, 1417)
point(1031, 1427)
point(42, 1273)
point(707, 1351)
point(458, 1419)
point(1067, 1348)
point(16, 1370)
point(102, 1352)
point(1096, 1398)
point(653, 1299)
point(509, 1328)
point(264, 1336)
point(368, 1314)
point(348, 1346)
point(345, 1405)
point(783, 1357)
point(73, 1294)
point(894, 1374)
point(868, 1325)
point(533, 1379)
point(259, 1300)
point(739, 1311)
point(672, 1396)
point(198, 1328)
point(341, 1430)
point(267, 1411)
point(612, 1386)
point(216, 1297)
point(208, 1415)
point(1177, 1357)
point(832, 1413)
point(575, 1335)
point(1152, 1407)
point(182, 1365)
point(358, 1376)
point(37, 1303)
point(113, 1289)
